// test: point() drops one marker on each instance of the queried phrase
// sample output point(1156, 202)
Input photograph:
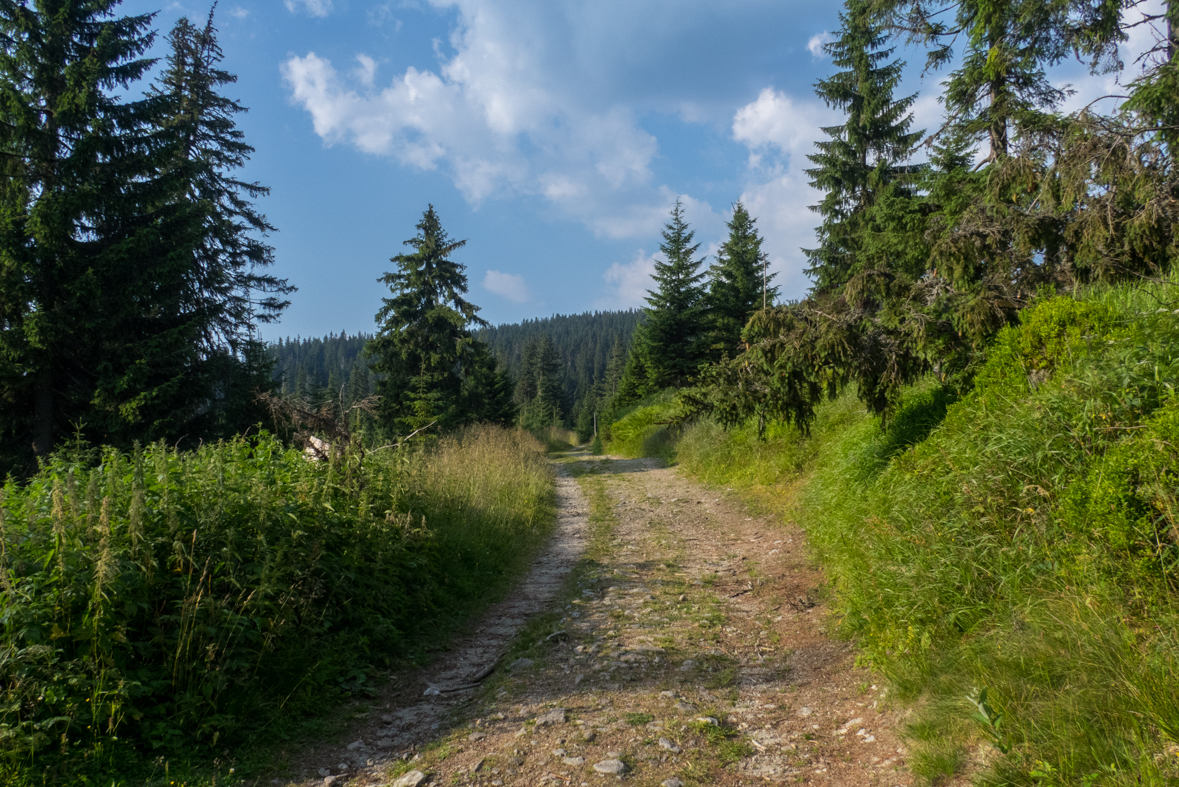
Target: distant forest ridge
point(583, 341)
point(311, 367)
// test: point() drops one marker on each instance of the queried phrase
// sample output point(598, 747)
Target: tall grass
point(642, 429)
point(176, 600)
point(556, 438)
point(1009, 560)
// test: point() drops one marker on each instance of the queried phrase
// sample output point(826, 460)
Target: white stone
point(664, 743)
point(555, 716)
point(611, 767)
point(411, 779)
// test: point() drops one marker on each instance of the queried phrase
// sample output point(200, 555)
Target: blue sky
point(553, 135)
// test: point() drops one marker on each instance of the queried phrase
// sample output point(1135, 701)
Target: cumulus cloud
point(309, 7)
point(547, 98)
point(627, 285)
point(815, 44)
point(507, 285)
point(365, 71)
point(239, 13)
point(779, 132)
point(493, 116)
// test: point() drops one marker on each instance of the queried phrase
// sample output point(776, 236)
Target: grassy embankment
point(1021, 542)
point(187, 606)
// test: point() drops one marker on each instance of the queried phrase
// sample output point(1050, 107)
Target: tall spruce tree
point(1001, 87)
point(74, 230)
point(227, 290)
point(675, 329)
point(738, 284)
point(423, 337)
point(865, 154)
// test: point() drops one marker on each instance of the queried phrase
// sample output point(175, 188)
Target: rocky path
point(668, 638)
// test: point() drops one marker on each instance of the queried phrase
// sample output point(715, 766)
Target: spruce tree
point(674, 329)
point(738, 284)
point(423, 337)
point(226, 292)
point(549, 405)
point(78, 179)
point(864, 155)
point(229, 288)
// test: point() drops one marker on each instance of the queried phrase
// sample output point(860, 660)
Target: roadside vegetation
point(1008, 559)
point(188, 603)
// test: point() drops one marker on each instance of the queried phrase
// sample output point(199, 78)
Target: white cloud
point(627, 285)
point(239, 13)
point(477, 116)
point(780, 131)
point(366, 70)
point(815, 44)
point(507, 285)
point(529, 98)
point(309, 7)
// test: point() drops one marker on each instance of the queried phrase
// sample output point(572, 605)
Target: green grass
point(172, 605)
point(642, 430)
point(1022, 540)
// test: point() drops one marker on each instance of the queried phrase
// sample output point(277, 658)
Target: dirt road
point(670, 637)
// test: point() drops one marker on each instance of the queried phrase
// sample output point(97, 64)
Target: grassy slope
point(1025, 544)
point(182, 603)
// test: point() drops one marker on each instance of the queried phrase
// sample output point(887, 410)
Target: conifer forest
point(212, 543)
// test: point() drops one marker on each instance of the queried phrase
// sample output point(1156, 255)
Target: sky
point(553, 136)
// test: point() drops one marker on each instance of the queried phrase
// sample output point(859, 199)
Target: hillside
point(309, 367)
point(1006, 560)
point(584, 342)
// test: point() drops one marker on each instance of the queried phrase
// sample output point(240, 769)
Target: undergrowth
point(1008, 560)
point(642, 430)
point(179, 603)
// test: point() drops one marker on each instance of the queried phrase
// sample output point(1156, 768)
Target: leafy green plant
point(171, 600)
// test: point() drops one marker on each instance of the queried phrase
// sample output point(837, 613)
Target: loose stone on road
point(688, 646)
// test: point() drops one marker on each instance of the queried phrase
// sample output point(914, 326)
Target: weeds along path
point(685, 647)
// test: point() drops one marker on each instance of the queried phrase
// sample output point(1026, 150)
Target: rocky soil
point(667, 637)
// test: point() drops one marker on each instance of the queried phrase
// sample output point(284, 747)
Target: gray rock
point(387, 718)
point(520, 664)
point(559, 752)
point(576, 762)
point(384, 743)
point(329, 780)
point(611, 767)
point(324, 772)
point(477, 767)
point(664, 743)
point(476, 736)
point(589, 736)
point(355, 745)
point(613, 755)
point(672, 782)
point(411, 779)
point(555, 716)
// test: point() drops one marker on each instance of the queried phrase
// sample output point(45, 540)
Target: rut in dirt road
point(688, 648)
